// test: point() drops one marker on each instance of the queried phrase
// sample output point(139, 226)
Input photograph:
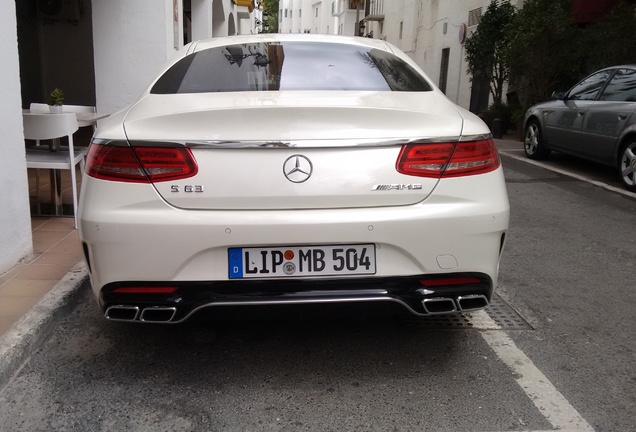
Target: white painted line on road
point(550, 402)
point(569, 174)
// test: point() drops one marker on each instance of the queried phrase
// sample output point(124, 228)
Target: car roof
point(629, 66)
point(288, 37)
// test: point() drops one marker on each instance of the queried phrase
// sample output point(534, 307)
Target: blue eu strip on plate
point(235, 263)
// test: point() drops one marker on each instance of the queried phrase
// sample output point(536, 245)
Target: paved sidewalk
point(38, 293)
point(56, 250)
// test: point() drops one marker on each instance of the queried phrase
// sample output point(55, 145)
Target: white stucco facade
point(134, 39)
point(131, 41)
point(15, 221)
point(306, 16)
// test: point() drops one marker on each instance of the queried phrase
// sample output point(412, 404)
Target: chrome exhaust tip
point(472, 302)
point(158, 314)
point(122, 313)
point(439, 305)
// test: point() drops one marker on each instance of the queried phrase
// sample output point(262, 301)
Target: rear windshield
point(289, 66)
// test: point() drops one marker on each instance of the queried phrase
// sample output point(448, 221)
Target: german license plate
point(301, 261)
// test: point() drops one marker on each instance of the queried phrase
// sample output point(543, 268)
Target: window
point(285, 13)
point(473, 17)
point(300, 13)
point(622, 87)
point(316, 12)
point(401, 28)
point(443, 71)
point(271, 66)
point(588, 88)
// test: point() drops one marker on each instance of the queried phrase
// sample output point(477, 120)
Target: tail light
point(450, 281)
point(441, 160)
point(139, 164)
point(145, 290)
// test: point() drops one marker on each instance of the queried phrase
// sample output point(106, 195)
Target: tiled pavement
point(56, 250)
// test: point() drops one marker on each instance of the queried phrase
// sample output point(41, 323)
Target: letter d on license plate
point(301, 261)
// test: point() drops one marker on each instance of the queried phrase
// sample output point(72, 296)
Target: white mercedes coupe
point(291, 169)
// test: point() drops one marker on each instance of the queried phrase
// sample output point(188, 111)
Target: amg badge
point(388, 187)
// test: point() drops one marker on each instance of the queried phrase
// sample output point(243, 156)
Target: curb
point(35, 327)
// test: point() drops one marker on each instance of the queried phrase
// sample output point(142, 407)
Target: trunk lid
point(255, 150)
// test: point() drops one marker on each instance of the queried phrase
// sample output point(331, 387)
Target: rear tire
point(533, 143)
point(627, 165)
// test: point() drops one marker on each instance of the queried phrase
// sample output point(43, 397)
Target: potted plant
point(56, 98)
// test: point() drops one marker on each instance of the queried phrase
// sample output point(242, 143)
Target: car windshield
point(289, 66)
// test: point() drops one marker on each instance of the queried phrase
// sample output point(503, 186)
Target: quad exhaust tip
point(153, 314)
point(439, 305)
point(472, 302)
point(122, 313)
point(446, 305)
point(158, 314)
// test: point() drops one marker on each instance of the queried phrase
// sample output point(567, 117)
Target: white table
point(84, 119)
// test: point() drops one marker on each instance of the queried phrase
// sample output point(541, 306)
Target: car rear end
point(291, 191)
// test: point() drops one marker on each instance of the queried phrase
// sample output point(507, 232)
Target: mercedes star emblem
point(297, 168)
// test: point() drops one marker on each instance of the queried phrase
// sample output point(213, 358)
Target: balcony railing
point(374, 10)
point(338, 7)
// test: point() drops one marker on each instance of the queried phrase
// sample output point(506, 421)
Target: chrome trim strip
point(298, 301)
point(220, 144)
point(308, 301)
point(334, 293)
point(212, 144)
point(479, 137)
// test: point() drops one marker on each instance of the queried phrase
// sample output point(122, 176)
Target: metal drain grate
point(499, 311)
point(505, 316)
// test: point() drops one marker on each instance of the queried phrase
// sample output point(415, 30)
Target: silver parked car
point(594, 120)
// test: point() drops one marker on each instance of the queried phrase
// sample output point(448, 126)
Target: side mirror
point(558, 95)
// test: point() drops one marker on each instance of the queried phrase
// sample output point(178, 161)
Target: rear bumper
point(135, 237)
point(191, 297)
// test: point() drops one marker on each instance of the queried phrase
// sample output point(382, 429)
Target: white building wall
point(284, 18)
point(201, 19)
point(313, 16)
point(15, 219)
point(326, 23)
point(132, 40)
point(307, 18)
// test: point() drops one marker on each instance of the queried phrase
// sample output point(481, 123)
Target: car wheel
point(533, 143)
point(627, 165)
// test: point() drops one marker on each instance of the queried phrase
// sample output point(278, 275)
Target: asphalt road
point(562, 355)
